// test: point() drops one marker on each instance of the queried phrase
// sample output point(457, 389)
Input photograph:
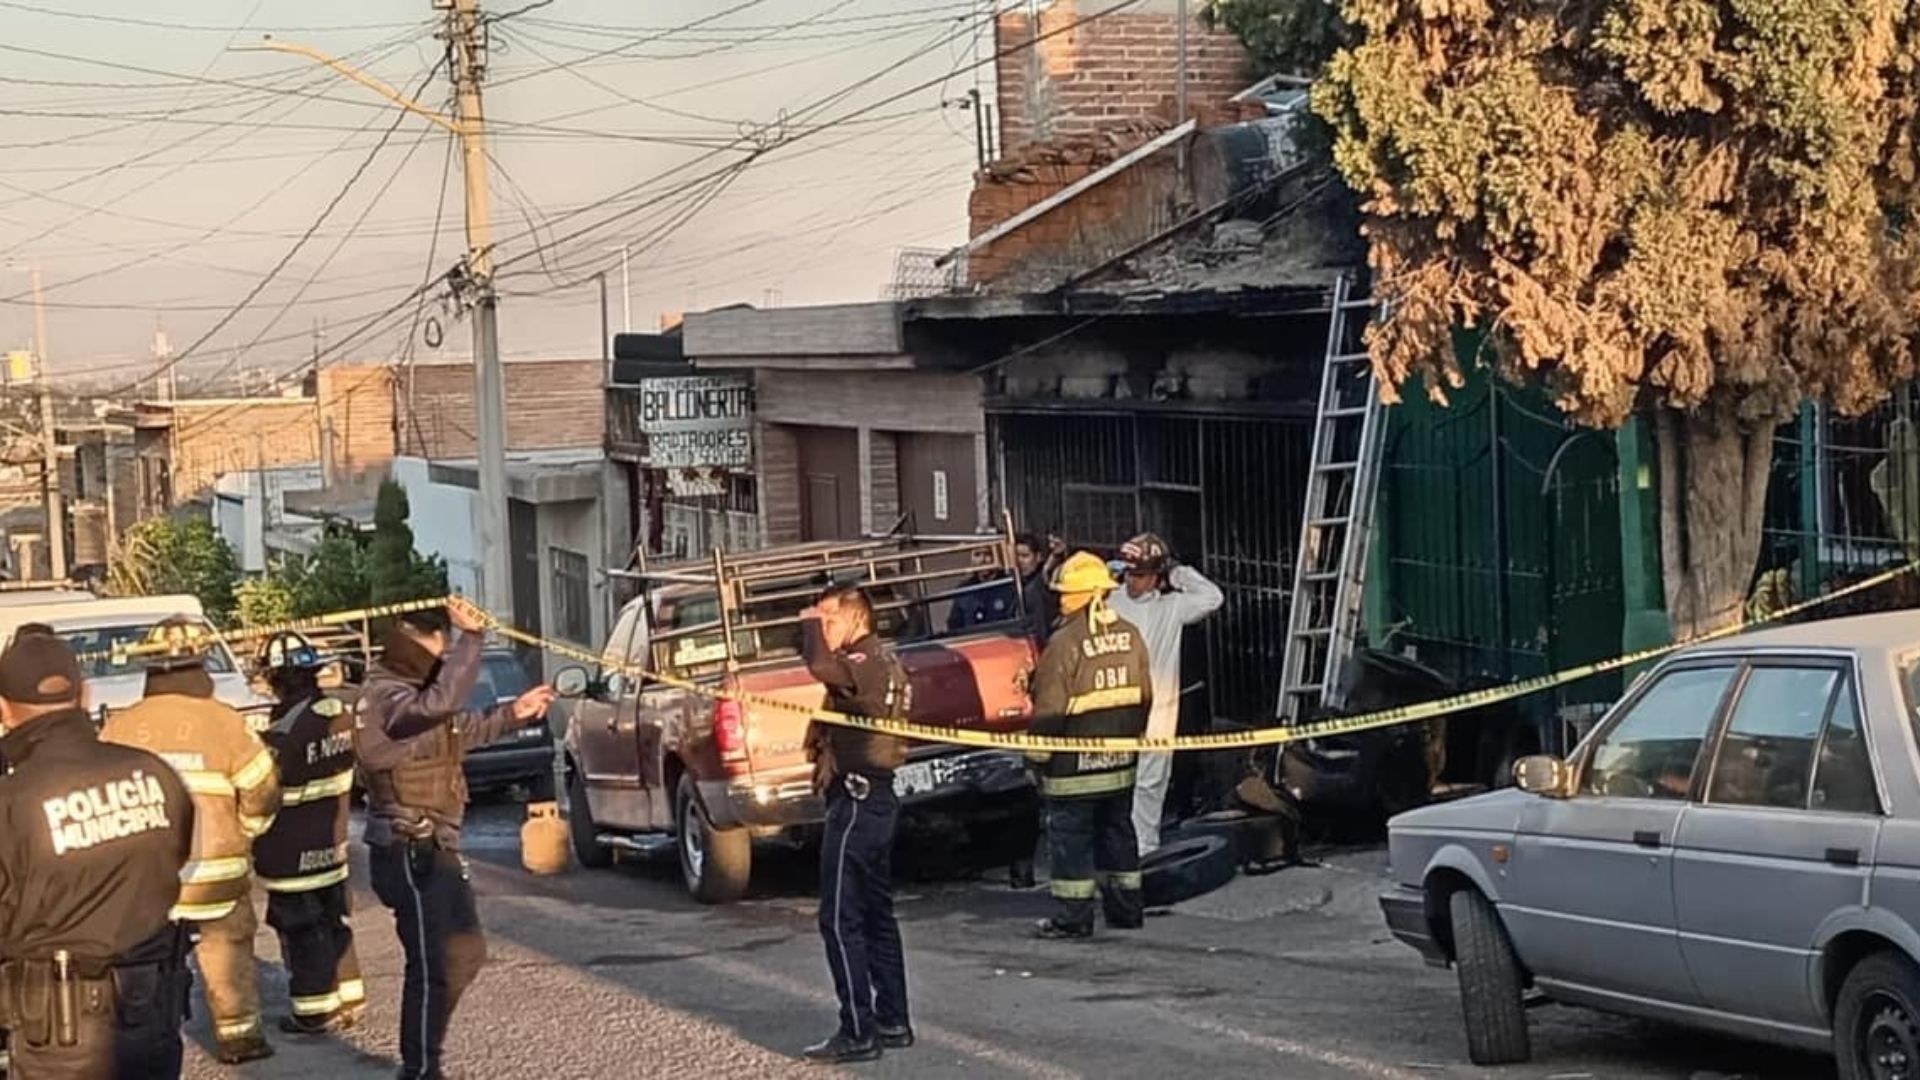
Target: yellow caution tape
point(1231, 740)
point(122, 653)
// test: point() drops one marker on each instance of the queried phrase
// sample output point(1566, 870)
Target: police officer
point(93, 979)
point(235, 795)
point(853, 769)
point(1092, 681)
point(302, 859)
point(411, 733)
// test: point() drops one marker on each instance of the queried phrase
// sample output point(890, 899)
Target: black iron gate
point(1225, 491)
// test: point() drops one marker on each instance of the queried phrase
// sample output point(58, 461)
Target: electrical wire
point(154, 24)
point(625, 46)
point(400, 116)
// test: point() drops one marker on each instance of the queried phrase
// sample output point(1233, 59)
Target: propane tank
point(544, 845)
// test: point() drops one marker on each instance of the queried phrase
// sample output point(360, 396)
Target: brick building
point(1093, 152)
point(551, 405)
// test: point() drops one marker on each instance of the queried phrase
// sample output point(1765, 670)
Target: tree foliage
point(163, 557)
point(263, 601)
point(1294, 37)
point(1696, 209)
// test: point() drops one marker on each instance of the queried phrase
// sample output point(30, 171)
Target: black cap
point(25, 629)
point(39, 669)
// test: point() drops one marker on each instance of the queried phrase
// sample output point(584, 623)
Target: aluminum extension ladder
point(1330, 563)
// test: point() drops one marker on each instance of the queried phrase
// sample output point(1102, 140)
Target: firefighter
point(1162, 599)
point(1092, 681)
point(853, 770)
point(302, 859)
point(235, 795)
point(94, 979)
point(411, 733)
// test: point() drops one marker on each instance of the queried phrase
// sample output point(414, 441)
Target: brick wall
point(214, 437)
point(1109, 73)
point(883, 478)
point(358, 401)
point(1077, 101)
point(551, 405)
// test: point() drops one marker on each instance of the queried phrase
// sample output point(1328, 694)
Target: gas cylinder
point(544, 845)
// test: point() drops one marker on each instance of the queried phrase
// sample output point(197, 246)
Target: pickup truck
point(646, 763)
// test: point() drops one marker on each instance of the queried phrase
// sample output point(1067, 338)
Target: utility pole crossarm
point(347, 70)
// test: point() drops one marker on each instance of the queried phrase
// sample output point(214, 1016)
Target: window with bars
point(572, 596)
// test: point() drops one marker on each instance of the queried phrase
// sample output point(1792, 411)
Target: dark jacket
point(92, 839)
point(1042, 604)
point(411, 732)
point(862, 679)
point(312, 741)
point(1091, 682)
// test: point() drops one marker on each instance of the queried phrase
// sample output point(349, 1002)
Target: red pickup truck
point(647, 763)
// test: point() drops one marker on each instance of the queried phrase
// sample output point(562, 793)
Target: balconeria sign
point(697, 421)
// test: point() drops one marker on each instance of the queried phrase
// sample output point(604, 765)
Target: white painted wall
point(241, 524)
point(444, 522)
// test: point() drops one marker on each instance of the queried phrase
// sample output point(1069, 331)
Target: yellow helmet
point(1083, 572)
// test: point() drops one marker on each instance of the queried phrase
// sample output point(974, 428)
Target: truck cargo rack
point(901, 572)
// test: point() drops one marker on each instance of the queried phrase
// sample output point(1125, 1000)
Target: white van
point(95, 626)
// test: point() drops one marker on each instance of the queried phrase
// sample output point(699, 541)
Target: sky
point(160, 165)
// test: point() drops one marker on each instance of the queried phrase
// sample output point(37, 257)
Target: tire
point(716, 863)
point(1184, 870)
point(587, 848)
point(1490, 982)
point(1877, 1014)
point(1258, 839)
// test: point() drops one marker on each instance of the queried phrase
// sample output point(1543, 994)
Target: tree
point(396, 573)
point(1693, 210)
point(264, 601)
point(333, 578)
point(162, 556)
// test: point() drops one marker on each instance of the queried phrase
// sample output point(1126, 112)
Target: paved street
point(617, 973)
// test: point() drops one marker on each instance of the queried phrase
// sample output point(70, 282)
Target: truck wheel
point(1489, 982)
point(1185, 869)
point(1876, 1021)
point(587, 847)
point(715, 862)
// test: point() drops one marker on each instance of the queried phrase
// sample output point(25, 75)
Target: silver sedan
point(1735, 846)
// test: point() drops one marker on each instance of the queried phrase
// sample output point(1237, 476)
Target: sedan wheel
point(1876, 1029)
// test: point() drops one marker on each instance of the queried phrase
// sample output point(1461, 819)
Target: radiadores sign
point(697, 421)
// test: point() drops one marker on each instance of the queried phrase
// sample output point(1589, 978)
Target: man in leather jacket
point(411, 733)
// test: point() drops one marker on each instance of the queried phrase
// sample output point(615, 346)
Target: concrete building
point(852, 432)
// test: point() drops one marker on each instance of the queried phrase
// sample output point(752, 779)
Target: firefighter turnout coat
point(230, 774)
point(1092, 682)
point(306, 849)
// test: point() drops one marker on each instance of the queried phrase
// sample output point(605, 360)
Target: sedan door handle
point(1646, 837)
point(1843, 856)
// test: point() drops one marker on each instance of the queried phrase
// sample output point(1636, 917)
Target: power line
point(625, 46)
point(155, 24)
point(399, 117)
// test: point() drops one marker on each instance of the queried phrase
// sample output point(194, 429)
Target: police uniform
point(93, 836)
point(235, 795)
point(1092, 681)
point(302, 860)
point(411, 735)
point(855, 769)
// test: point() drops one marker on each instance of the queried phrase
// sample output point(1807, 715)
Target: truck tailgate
point(975, 683)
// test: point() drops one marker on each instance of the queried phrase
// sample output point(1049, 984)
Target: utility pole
point(49, 443)
point(626, 291)
point(606, 335)
point(465, 32)
point(465, 35)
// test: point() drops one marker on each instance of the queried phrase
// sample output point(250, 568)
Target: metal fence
point(1225, 491)
point(1828, 517)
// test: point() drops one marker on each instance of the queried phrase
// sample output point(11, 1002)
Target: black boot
point(842, 1049)
point(1054, 930)
point(895, 1038)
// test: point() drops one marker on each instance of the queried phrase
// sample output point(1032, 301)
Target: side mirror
point(617, 685)
point(1544, 774)
point(572, 682)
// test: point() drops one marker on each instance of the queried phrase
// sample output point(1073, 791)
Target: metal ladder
point(1330, 563)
